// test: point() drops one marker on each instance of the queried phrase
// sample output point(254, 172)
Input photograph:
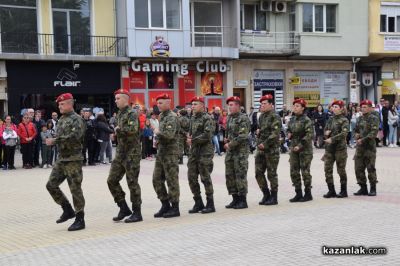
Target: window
point(390, 18)
point(292, 16)
point(18, 35)
point(207, 24)
point(319, 18)
point(164, 14)
point(252, 18)
point(71, 26)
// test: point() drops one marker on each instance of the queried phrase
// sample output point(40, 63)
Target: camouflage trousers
point(183, 147)
point(166, 169)
point(266, 162)
point(129, 166)
point(365, 159)
point(300, 162)
point(72, 171)
point(203, 166)
point(236, 165)
point(340, 157)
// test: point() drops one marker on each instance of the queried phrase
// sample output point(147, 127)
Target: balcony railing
point(57, 44)
point(269, 42)
point(213, 36)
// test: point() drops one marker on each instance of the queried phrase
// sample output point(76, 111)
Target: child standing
point(148, 140)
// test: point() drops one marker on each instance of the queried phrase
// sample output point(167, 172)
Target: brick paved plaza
point(261, 235)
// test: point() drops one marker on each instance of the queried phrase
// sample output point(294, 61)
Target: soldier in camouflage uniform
point(237, 154)
point(201, 156)
point(127, 160)
point(267, 155)
point(336, 130)
point(69, 140)
point(184, 121)
point(367, 127)
point(166, 167)
point(300, 132)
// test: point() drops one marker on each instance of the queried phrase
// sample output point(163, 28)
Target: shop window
point(161, 80)
point(164, 14)
point(206, 21)
point(252, 18)
point(18, 35)
point(319, 18)
point(390, 18)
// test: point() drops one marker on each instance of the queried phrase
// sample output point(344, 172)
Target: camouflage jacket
point(185, 124)
point(339, 127)
point(367, 128)
point(70, 136)
point(270, 126)
point(127, 121)
point(302, 131)
point(237, 131)
point(201, 129)
point(168, 135)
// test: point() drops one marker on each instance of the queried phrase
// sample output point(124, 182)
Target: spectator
point(38, 121)
point(27, 134)
point(8, 133)
point(385, 124)
point(319, 124)
point(2, 146)
point(393, 122)
point(142, 122)
point(46, 150)
point(284, 112)
point(215, 140)
point(103, 137)
point(54, 121)
point(154, 123)
point(148, 140)
point(353, 120)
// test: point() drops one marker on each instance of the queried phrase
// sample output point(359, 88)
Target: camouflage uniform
point(268, 159)
point(184, 124)
point(367, 127)
point(69, 140)
point(302, 132)
point(166, 167)
point(127, 158)
point(236, 159)
point(201, 154)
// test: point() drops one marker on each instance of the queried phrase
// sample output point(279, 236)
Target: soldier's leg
point(74, 177)
point(295, 170)
point(230, 174)
point(241, 166)
point(117, 172)
point(305, 165)
point(159, 180)
point(260, 168)
point(193, 174)
point(359, 167)
point(57, 176)
point(132, 166)
point(205, 169)
point(272, 165)
point(329, 160)
point(341, 161)
point(370, 160)
point(171, 169)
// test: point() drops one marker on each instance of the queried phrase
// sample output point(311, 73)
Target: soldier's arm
point(168, 132)
point(244, 129)
point(75, 133)
point(344, 131)
point(374, 128)
point(206, 136)
point(275, 133)
point(308, 134)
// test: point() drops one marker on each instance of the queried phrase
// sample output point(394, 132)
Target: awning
point(390, 86)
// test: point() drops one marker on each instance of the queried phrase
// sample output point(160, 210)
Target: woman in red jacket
point(27, 133)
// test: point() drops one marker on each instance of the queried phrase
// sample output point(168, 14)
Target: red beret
point(64, 97)
point(338, 102)
point(366, 102)
point(197, 99)
point(233, 99)
point(266, 97)
point(300, 101)
point(121, 91)
point(163, 97)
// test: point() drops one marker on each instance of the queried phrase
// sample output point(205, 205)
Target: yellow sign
point(312, 97)
point(390, 87)
point(295, 80)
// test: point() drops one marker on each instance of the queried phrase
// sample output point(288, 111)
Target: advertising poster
point(212, 83)
point(137, 98)
point(211, 103)
point(161, 80)
point(137, 80)
point(190, 80)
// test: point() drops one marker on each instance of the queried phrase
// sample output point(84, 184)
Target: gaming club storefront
point(35, 84)
point(180, 79)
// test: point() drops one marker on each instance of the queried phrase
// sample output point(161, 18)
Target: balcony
point(33, 45)
point(269, 43)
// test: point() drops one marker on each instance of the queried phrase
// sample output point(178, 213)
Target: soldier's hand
point(117, 128)
point(261, 146)
point(189, 141)
point(226, 146)
point(296, 149)
point(359, 141)
point(289, 135)
point(328, 141)
point(327, 132)
point(257, 132)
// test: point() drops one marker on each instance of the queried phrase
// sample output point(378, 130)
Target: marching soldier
point(367, 127)
point(236, 160)
point(166, 167)
point(267, 155)
point(336, 130)
point(127, 160)
point(300, 132)
point(184, 121)
point(201, 156)
point(69, 140)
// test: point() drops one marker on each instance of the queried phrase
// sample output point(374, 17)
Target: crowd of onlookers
point(30, 134)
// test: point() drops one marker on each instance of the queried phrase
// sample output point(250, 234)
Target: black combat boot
point(372, 191)
point(173, 211)
point(307, 195)
point(210, 206)
point(67, 214)
point(164, 208)
point(298, 196)
point(343, 191)
point(363, 191)
point(331, 193)
point(266, 196)
point(198, 205)
point(273, 200)
point(123, 211)
point(241, 203)
point(136, 215)
point(235, 198)
point(79, 223)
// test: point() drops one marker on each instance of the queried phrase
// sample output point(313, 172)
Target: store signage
point(66, 79)
point(241, 83)
point(160, 48)
point(391, 43)
point(182, 69)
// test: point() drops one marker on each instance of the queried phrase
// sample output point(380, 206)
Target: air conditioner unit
point(280, 7)
point(265, 5)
